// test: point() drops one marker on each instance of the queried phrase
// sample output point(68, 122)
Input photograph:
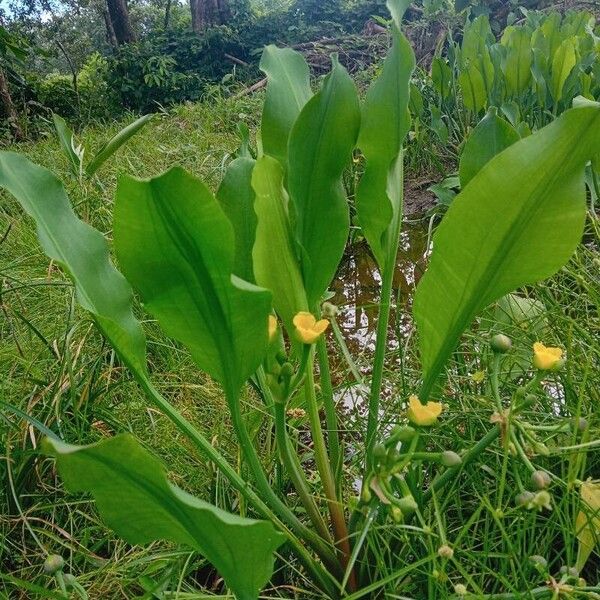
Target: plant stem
point(209, 451)
point(450, 473)
point(265, 489)
point(338, 521)
point(333, 433)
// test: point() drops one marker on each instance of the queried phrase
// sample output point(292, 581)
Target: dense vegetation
point(354, 348)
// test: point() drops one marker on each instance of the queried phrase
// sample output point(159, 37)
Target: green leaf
point(176, 246)
point(288, 90)
point(67, 144)
point(441, 75)
point(518, 59)
point(80, 250)
point(385, 123)
point(110, 147)
point(275, 263)
point(563, 63)
point(475, 50)
point(473, 88)
point(320, 147)
point(517, 222)
point(236, 197)
point(492, 135)
point(135, 498)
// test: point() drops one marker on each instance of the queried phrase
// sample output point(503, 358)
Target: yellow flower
point(308, 329)
point(272, 327)
point(546, 358)
point(423, 415)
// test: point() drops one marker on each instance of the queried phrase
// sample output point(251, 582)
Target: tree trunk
point(8, 108)
point(206, 13)
point(111, 38)
point(119, 17)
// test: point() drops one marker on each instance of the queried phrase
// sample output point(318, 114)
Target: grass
point(58, 373)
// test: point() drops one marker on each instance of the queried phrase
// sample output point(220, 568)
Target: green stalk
point(382, 334)
point(333, 431)
point(265, 489)
point(338, 521)
point(450, 473)
point(209, 451)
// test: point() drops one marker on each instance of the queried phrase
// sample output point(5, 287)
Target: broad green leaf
point(236, 197)
point(136, 499)
point(441, 75)
point(552, 33)
point(517, 222)
point(492, 135)
point(563, 63)
point(518, 59)
point(275, 263)
point(81, 251)
point(416, 101)
point(67, 144)
point(320, 147)
point(475, 50)
point(108, 149)
point(385, 123)
point(473, 88)
point(587, 522)
point(438, 125)
point(288, 90)
point(176, 246)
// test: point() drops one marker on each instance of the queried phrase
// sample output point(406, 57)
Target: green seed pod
point(70, 580)
point(581, 424)
point(450, 459)
point(501, 343)
point(539, 562)
point(393, 457)
point(397, 514)
point(445, 551)
point(529, 401)
point(379, 452)
point(329, 310)
point(525, 499)
point(540, 480)
point(365, 494)
point(460, 589)
point(53, 563)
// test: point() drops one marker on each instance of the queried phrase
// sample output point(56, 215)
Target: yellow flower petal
point(308, 329)
point(546, 358)
point(272, 327)
point(423, 415)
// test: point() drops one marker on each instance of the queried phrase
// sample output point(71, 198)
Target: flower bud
point(365, 494)
point(540, 480)
point(393, 457)
point(70, 580)
point(525, 499)
point(379, 452)
point(407, 505)
point(581, 424)
point(450, 459)
point(501, 343)
point(397, 514)
point(53, 563)
point(460, 589)
point(401, 433)
point(445, 551)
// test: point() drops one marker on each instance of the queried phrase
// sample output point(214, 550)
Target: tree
point(206, 13)
point(121, 24)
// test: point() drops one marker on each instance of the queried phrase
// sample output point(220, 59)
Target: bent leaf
point(320, 146)
point(563, 63)
point(288, 90)
point(79, 249)
point(108, 149)
point(236, 197)
point(175, 245)
point(492, 135)
point(67, 144)
point(275, 264)
point(517, 222)
point(384, 125)
point(135, 499)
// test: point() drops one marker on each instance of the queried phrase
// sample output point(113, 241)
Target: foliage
point(518, 220)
